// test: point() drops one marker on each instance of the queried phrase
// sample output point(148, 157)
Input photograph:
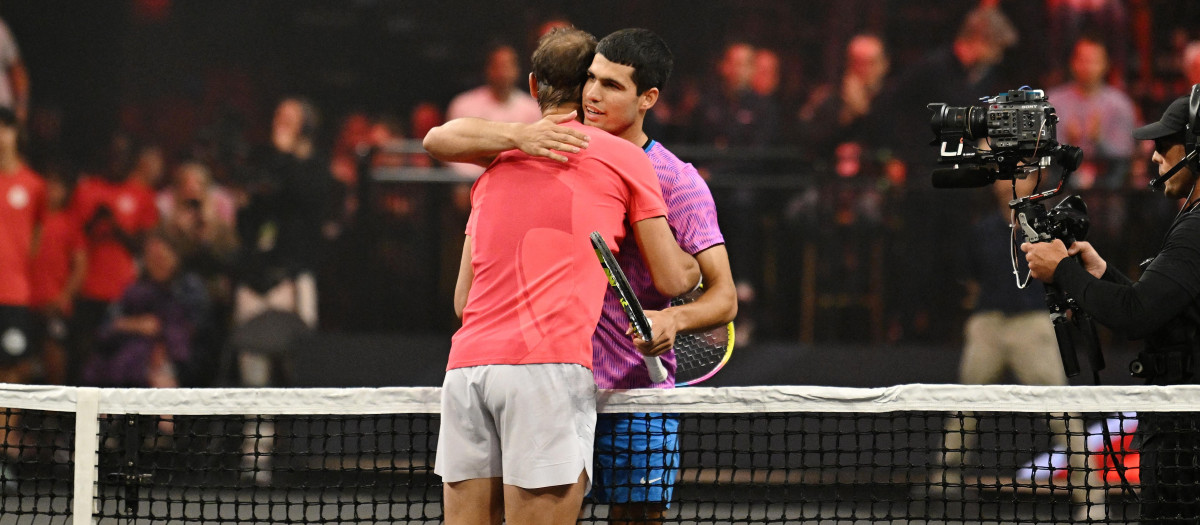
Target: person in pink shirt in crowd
point(498, 99)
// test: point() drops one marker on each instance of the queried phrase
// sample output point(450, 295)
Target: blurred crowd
point(178, 256)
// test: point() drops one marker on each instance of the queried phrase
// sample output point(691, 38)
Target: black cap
point(1174, 120)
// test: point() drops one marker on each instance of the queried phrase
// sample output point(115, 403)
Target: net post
point(87, 430)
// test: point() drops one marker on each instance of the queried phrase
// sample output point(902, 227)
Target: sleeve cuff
point(1070, 276)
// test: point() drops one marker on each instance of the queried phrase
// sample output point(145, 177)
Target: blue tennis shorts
point(637, 458)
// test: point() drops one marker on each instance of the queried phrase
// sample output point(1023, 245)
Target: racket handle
point(658, 372)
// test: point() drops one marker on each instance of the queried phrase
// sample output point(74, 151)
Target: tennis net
point(907, 454)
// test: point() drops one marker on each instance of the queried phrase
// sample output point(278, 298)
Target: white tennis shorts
point(532, 425)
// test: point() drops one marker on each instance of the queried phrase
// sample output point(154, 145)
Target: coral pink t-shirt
point(538, 286)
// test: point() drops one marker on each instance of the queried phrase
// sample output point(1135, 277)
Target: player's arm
point(479, 141)
point(673, 270)
point(466, 274)
point(715, 307)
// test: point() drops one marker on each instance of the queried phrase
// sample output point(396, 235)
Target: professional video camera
point(1020, 130)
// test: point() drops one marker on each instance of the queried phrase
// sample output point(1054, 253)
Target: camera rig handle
point(1067, 222)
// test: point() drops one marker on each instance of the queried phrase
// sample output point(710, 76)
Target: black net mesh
point(36, 465)
point(715, 463)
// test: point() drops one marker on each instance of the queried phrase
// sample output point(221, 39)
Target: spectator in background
point(733, 114)
point(280, 232)
point(958, 75)
point(280, 226)
point(1094, 116)
point(192, 180)
point(148, 166)
point(765, 80)
point(835, 113)
point(1191, 63)
point(22, 211)
point(149, 338)
point(357, 134)
point(14, 79)
point(550, 23)
point(355, 131)
point(61, 260)
point(425, 116)
point(115, 211)
point(200, 224)
point(1068, 22)
point(498, 99)
point(387, 134)
point(282, 244)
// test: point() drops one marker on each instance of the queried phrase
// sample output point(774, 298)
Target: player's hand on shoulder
point(547, 137)
point(664, 328)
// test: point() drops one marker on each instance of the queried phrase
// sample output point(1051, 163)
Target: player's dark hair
point(642, 50)
point(560, 65)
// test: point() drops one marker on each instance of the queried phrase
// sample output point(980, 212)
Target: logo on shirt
point(18, 197)
point(13, 342)
point(126, 205)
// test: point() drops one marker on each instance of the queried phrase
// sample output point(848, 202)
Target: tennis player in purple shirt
point(637, 455)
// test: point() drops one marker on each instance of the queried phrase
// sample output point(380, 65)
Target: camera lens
point(967, 120)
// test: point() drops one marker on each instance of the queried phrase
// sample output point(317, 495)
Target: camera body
point(1066, 221)
point(1021, 120)
point(1020, 128)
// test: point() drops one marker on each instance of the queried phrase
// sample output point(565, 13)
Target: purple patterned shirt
point(692, 216)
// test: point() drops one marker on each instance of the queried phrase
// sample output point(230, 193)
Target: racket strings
point(698, 354)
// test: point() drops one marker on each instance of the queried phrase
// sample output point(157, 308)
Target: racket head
point(700, 355)
point(617, 279)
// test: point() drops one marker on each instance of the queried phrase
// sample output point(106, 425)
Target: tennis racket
point(629, 302)
point(699, 355)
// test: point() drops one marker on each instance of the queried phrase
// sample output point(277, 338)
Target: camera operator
point(1160, 308)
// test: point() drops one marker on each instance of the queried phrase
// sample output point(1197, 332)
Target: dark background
point(167, 68)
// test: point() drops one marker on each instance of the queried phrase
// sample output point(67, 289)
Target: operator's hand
point(1089, 258)
point(546, 136)
point(1043, 258)
point(664, 328)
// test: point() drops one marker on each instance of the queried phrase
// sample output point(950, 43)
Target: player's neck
point(639, 139)
point(560, 109)
point(635, 133)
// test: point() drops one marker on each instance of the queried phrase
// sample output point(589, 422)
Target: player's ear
point(647, 99)
point(533, 86)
